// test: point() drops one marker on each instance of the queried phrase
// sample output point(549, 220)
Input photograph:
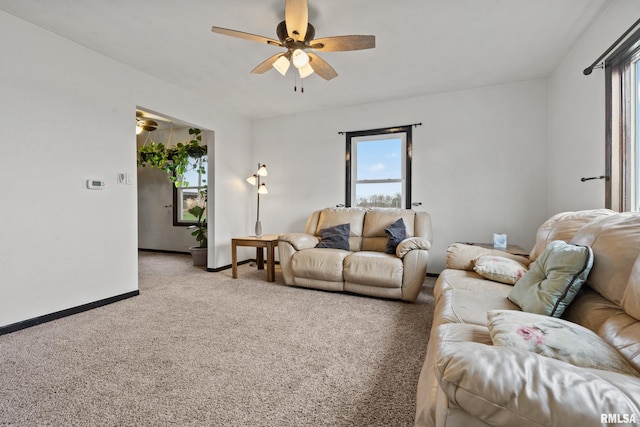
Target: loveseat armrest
point(508, 387)
point(410, 244)
point(299, 241)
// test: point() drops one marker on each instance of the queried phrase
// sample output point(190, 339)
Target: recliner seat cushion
point(374, 269)
point(320, 264)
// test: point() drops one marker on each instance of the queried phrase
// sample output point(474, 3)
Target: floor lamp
point(262, 189)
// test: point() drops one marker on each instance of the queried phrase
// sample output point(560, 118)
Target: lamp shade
point(253, 179)
point(305, 71)
point(299, 58)
point(282, 65)
point(262, 170)
point(262, 189)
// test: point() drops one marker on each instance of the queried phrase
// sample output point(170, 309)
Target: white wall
point(577, 114)
point(67, 116)
point(479, 162)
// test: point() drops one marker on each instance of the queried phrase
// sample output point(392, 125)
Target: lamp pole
point(258, 224)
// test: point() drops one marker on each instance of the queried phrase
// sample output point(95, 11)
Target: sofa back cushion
point(377, 219)
point(563, 226)
point(631, 297)
point(331, 217)
point(615, 241)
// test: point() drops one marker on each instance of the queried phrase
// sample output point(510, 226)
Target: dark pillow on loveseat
point(336, 237)
point(397, 232)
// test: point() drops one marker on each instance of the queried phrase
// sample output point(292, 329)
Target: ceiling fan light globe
point(305, 71)
point(299, 58)
point(282, 65)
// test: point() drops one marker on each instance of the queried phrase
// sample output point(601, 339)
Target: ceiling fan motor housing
point(283, 34)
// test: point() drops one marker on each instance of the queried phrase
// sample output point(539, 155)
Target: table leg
point(271, 270)
point(260, 258)
point(234, 260)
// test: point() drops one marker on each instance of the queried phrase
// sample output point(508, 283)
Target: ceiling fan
point(296, 34)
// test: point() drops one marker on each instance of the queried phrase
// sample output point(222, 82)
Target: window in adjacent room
point(186, 197)
point(623, 126)
point(378, 168)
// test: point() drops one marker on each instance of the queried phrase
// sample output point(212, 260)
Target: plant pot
point(199, 255)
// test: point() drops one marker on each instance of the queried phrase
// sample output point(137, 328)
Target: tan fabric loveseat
point(468, 379)
point(364, 267)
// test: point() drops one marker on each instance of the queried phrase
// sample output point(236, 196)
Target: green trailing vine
point(175, 161)
point(200, 229)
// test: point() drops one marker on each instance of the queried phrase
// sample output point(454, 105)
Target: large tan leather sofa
point(467, 381)
point(365, 268)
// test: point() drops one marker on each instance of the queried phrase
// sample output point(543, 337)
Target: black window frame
point(620, 167)
point(381, 131)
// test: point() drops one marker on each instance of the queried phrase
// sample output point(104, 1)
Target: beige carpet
point(203, 349)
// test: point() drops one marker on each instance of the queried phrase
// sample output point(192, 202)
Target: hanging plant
point(175, 161)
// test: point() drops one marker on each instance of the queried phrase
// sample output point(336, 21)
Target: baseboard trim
point(163, 251)
point(64, 313)
point(226, 267)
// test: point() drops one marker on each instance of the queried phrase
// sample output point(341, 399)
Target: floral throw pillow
point(555, 338)
point(499, 269)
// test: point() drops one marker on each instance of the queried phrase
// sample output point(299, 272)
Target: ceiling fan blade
point(321, 67)
point(296, 15)
point(267, 65)
point(343, 43)
point(246, 36)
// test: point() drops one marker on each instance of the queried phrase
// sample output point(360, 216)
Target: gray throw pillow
point(336, 237)
point(397, 232)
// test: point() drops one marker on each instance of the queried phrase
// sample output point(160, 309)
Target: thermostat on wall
point(94, 184)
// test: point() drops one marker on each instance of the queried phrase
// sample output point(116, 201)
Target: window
point(623, 121)
point(378, 168)
point(192, 194)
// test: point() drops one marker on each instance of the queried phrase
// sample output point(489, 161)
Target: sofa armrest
point(299, 241)
point(410, 244)
point(461, 256)
point(508, 387)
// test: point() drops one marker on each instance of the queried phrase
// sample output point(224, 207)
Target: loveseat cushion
point(376, 220)
point(373, 269)
point(319, 264)
point(330, 217)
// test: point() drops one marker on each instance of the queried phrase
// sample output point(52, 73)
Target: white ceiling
point(422, 46)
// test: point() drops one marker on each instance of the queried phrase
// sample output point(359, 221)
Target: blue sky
point(379, 159)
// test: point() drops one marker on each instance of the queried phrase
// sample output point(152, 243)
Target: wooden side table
point(269, 241)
